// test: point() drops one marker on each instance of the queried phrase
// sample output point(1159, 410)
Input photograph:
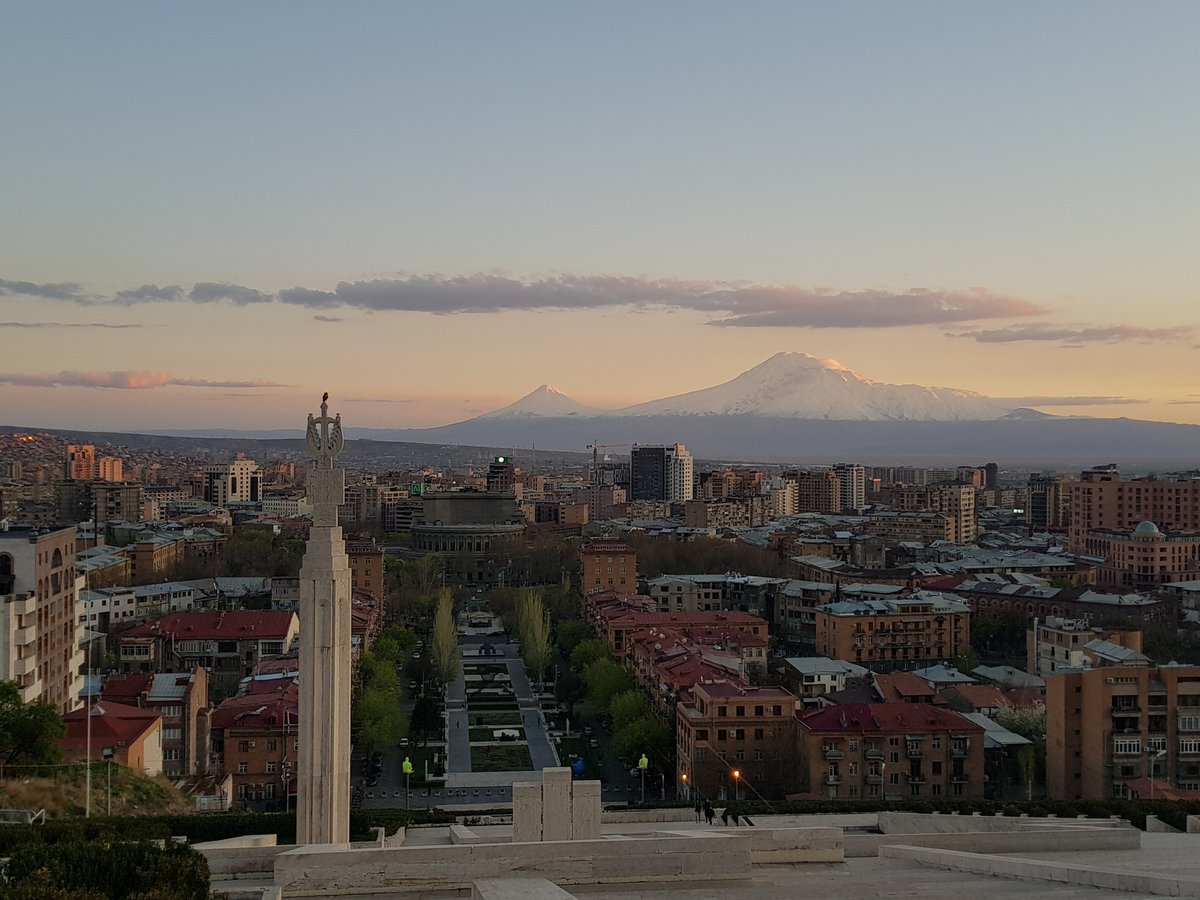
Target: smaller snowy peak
point(546, 400)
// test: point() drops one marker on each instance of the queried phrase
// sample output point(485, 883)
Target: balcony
point(874, 779)
point(23, 636)
point(958, 752)
point(1126, 710)
point(874, 753)
point(916, 777)
point(833, 753)
point(959, 779)
point(26, 666)
point(915, 752)
point(833, 779)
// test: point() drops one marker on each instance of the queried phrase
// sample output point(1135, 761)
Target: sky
point(212, 213)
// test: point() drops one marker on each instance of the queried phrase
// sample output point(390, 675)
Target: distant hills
point(794, 408)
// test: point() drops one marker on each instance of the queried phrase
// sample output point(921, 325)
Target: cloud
point(1183, 403)
point(123, 381)
point(60, 291)
point(149, 293)
point(1078, 334)
point(1067, 401)
point(69, 325)
point(212, 292)
point(329, 318)
point(731, 304)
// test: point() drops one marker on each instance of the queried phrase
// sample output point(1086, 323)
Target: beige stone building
point(1144, 558)
point(1101, 500)
point(901, 633)
point(40, 609)
point(1116, 732)
point(955, 501)
point(608, 566)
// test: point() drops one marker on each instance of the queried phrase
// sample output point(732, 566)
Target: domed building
point(1145, 558)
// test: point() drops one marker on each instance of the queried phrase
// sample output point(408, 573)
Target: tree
point(627, 708)
point(569, 689)
point(1027, 763)
point(648, 736)
point(380, 721)
point(570, 634)
point(445, 639)
point(605, 680)
point(394, 643)
point(1029, 722)
point(28, 733)
point(426, 719)
point(534, 628)
point(588, 652)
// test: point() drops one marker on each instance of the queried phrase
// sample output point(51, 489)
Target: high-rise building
point(110, 468)
point(1046, 502)
point(819, 491)
point(1101, 500)
point(501, 476)
point(853, 486)
point(117, 502)
point(239, 481)
point(661, 473)
point(40, 626)
point(991, 476)
point(81, 462)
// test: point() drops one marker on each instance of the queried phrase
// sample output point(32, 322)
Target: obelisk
point(323, 804)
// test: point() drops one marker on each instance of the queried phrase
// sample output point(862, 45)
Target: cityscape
point(849, 542)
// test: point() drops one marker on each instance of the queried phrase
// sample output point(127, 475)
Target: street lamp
point(643, 764)
point(407, 768)
point(737, 784)
point(687, 794)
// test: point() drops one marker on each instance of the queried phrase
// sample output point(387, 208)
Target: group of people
point(706, 810)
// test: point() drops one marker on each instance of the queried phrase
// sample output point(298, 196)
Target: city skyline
point(215, 214)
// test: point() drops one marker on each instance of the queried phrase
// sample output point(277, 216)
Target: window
point(935, 744)
point(243, 768)
point(722, 734)
point(894, 757)
point(172, 734)
point(853, 744)
point(853, 768)
point(243, 746)
point(1127, 745)
point(271, 767)
point(1189, 723)
point(272, 746)
point(1189, 745)
point(894, 778)
point(702, 734)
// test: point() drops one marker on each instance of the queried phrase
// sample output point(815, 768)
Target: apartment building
point(256, 741)
point(1117, 732)
point(910, 632)
point(181, 699)
point(129, 736)
point(40, 631)
point(1101, 500)
point(661, 473)
point(1059, 643)
point(852, 486)
point(925, 527)
point(80, 464)
point(816, 491)
point(366, 568)
point(1046, 501)
point(955, 501)
point(731, 727)
point(608, 566)
point(890, 751)
point(239, 481)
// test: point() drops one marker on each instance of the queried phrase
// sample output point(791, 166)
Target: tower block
point(323, 802)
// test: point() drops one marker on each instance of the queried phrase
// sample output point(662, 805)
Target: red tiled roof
point(260, 711)
point(983, 696)
point(125, 687)
point(895, 686)
point(711, 619)
point(885, 718)
point(113, 725)
point(750, 692)
point(238, 624)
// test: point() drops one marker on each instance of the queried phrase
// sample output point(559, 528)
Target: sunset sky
point(211, 213)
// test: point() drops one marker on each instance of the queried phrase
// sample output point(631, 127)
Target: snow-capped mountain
point(545, 402)
point(797, 385)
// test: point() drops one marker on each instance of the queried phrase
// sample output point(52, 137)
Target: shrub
point(116, 871)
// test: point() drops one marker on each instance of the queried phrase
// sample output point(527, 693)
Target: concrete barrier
point(790, 845)
point(637, 816)
point(1016, 867)
point(245, 840)
point(933, 823)
point(517, 889)
point(1155, 825)
point(321, 870)
point(461, 834)
point(233, 863)
point(1027, 840)
point(1193, 824)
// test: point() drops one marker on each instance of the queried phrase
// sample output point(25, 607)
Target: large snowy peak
point(797, 385)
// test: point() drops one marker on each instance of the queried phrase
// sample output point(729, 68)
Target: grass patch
point(488, 734)
point(490, 719)
point(501, 759)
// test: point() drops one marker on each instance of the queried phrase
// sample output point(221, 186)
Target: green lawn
point(488, 734)
point(501, 759)
point(487, 719)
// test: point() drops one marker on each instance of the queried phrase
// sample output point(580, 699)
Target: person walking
point(699, 810)
point(709, 812)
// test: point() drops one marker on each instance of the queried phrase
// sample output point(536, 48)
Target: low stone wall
point(635, 816)
point(518, 889)
point(461, 834)
point(790, 845)
point(251, 857)
point(1016, 867)
point(1026, 840)
point(318, 871)
point(933, 823)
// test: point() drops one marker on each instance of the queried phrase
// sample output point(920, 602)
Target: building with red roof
point(890, 751)
point(127, 735)
point(227, 643)
point(256, 740)
point(181, 698)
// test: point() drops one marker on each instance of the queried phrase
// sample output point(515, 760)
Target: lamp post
point(643, 764)
point(737, 784)
point(687, 794)
point(1158, 754)
point(407, 768)
point(108, 758)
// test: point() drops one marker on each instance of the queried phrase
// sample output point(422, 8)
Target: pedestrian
point(709, 812)
point(699, 810)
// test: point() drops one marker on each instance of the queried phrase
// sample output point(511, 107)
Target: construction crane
point(596, 448)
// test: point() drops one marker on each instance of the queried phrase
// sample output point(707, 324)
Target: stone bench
point(517, 889)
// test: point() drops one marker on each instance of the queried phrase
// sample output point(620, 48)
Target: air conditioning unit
point(253, 745)
point(1110, 681)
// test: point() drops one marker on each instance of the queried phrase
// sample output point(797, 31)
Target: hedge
point(200, 828)
point(114, 871)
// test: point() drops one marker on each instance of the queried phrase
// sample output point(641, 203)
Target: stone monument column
point(323, 803)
